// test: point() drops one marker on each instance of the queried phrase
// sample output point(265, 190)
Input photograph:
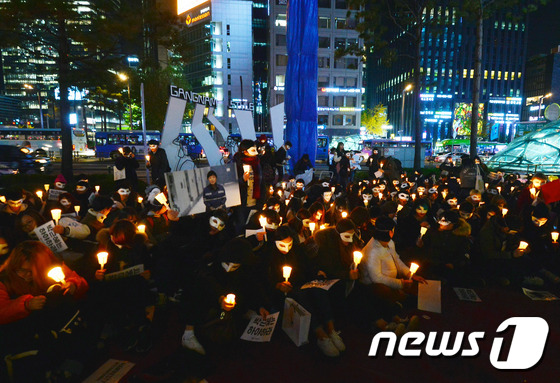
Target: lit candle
point(504, 211)
point(287, 202)
point(322, 227)
point(102, 258)
point(246, 168)
point(486, 185)
point(142, 229)
point(39, 194)
point(444, 194)
point(312, 226)
point(286, 271)
point(413, 268)
point(413, 196)
point(366, 202)
point(148, 157)
point(57, 275)
point(56, 213)
point(230, 299)
point(357, 257)
point(423, 230)
point(263, 221)
point(46, 186)
point(140, 199)
point(344, 214)
point(499, 189)
point(283, 186)
point(121, 151)
point(533, 192)
point(77, 208)
point(97, 187)
point(161, 198)
point(523, 245)
point(554, 235)
point(2, 199)
point(280, 192)
point(399, 208)
point(333, 189)
point(381, 165)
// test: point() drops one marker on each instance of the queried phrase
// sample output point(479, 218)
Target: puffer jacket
point(449, 246)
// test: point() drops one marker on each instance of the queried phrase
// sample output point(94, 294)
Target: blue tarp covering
point(301, 78)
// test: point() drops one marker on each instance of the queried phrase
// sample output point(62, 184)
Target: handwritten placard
point(126, 273)
point(259, 329)
point(317, 284)
point(46, 234)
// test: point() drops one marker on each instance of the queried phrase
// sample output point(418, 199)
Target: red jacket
point(12, 310)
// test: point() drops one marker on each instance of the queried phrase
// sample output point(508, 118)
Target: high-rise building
point(260, 63)
point(221, 63)
point(542, 79)
point(447, 73)
point(339, 79)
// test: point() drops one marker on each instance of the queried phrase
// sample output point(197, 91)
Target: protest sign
point(46, 235)
point(259, 329)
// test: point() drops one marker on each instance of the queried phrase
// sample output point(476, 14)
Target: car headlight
point(41, 161)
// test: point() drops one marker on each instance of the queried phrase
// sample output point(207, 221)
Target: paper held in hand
point(259, 329)
point(325, 285)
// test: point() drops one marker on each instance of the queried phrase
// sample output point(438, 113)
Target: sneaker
point(337, 341)
point(327, 347)
point(533, 281)
point(189, 341)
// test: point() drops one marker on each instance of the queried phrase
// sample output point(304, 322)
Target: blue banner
point(300, 94)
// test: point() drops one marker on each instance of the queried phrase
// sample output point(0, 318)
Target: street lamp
point(406, 89)
point(124, 77)
point(540, 103)
point(30, 87)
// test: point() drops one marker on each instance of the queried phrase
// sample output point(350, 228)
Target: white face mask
point(252, 151)
point(395, 182)
point(346, 237)
point(444, 222)
point(271, 226)
point(327, 196)
point(367, 197)
point(404, 196)
point(230, 266)
point(325, 184)
point(81, 188)
point(299, 186)
point(452, 202)
point(101, 217)
point(15, 204)
point(59, 185)
point(65, 202)
point(375, 190)
point(284, 247)
point(382, 187)
point(306, 222)
point(475, 197)
point(123, 192)
point(217, 223)
point(421, 189)
point(4, 249)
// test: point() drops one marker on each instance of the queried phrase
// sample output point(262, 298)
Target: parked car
point(16, 159)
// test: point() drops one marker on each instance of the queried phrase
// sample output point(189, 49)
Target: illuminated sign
point(431, 97)
point(237, 104)
point(341, 109)
point(186, 5)
point(342, 90)
point(73, 94)
point(195, 98)
point(197, 17)
point(506, 100)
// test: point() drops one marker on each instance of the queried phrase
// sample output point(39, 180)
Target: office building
point(542, 79)
point(221, 64)
point(447, 73)
point(339, 80)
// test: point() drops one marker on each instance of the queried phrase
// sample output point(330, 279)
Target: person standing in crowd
point(280, 157)
point(250, 180)
point(267, 161)
point(157, 163)
point(214, 194)
point(373, 163)
point(127, 161)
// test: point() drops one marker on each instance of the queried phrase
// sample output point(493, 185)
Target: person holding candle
point(157, 163)
point(251, 186)
point(14, 205)
point(84, 195)
point(468, 213)
point(361, 218)
point(127, 161)
point(335, 212)
point(280, 157)
point(100, 208)
point(68, 225)
point(387, 278)
point(408, 227)
point(205, 302)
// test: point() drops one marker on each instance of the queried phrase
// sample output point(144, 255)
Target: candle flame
point(56, 274)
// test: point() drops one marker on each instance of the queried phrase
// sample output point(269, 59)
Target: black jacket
point(159, 165)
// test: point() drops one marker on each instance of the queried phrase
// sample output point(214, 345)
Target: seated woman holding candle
point(29, 312)
point(337, 211)
point(26, 223)
point(158, 219)
point(317, 212)
point(409, 227)
point(125, 301)
point(388, 279)
point(205, 309)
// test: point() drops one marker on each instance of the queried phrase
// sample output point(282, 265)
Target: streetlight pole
point(30, 87)
point(406, 89)
point(124, 77)
point(540, 104)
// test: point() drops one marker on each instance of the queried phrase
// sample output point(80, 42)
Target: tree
point(478, 11)
point(374, 119)
point(380, 22)
point(84, 44)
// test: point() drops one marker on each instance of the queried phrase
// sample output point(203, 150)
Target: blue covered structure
point(301, 78)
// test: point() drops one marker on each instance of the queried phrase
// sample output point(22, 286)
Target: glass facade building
point(339, 80)
point(542, 77)
point(447, 73)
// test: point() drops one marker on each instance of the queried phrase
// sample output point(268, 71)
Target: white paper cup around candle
point(230, 299)
point(142, 229)
point(77, 208)
point(56, 213)
point(140, 199)
point(148, 157)
point(2, 199)
point(262, 221)
point(399, 208)
point(246, 168)
point(102, 258)
point(46, 186)
point(161, 198)
point(523, 245)
point(312, 226)
point(322, 227)
point(56, 274)
point(283, 186)
point(97, 187)
point(344, 214)
point(287, 202)
point(499, 189)
point(504, 211)
point(423, 230)
point(121, 151)
point(357, 257)
point(286, 272)
point(555, 235)
point(533, 191)
point(413, 269)
point(39, 194)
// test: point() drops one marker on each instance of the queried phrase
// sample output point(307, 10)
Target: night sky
point(544, 29)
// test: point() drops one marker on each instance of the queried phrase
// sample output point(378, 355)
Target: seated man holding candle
point(100, 208)
point(388, 279)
